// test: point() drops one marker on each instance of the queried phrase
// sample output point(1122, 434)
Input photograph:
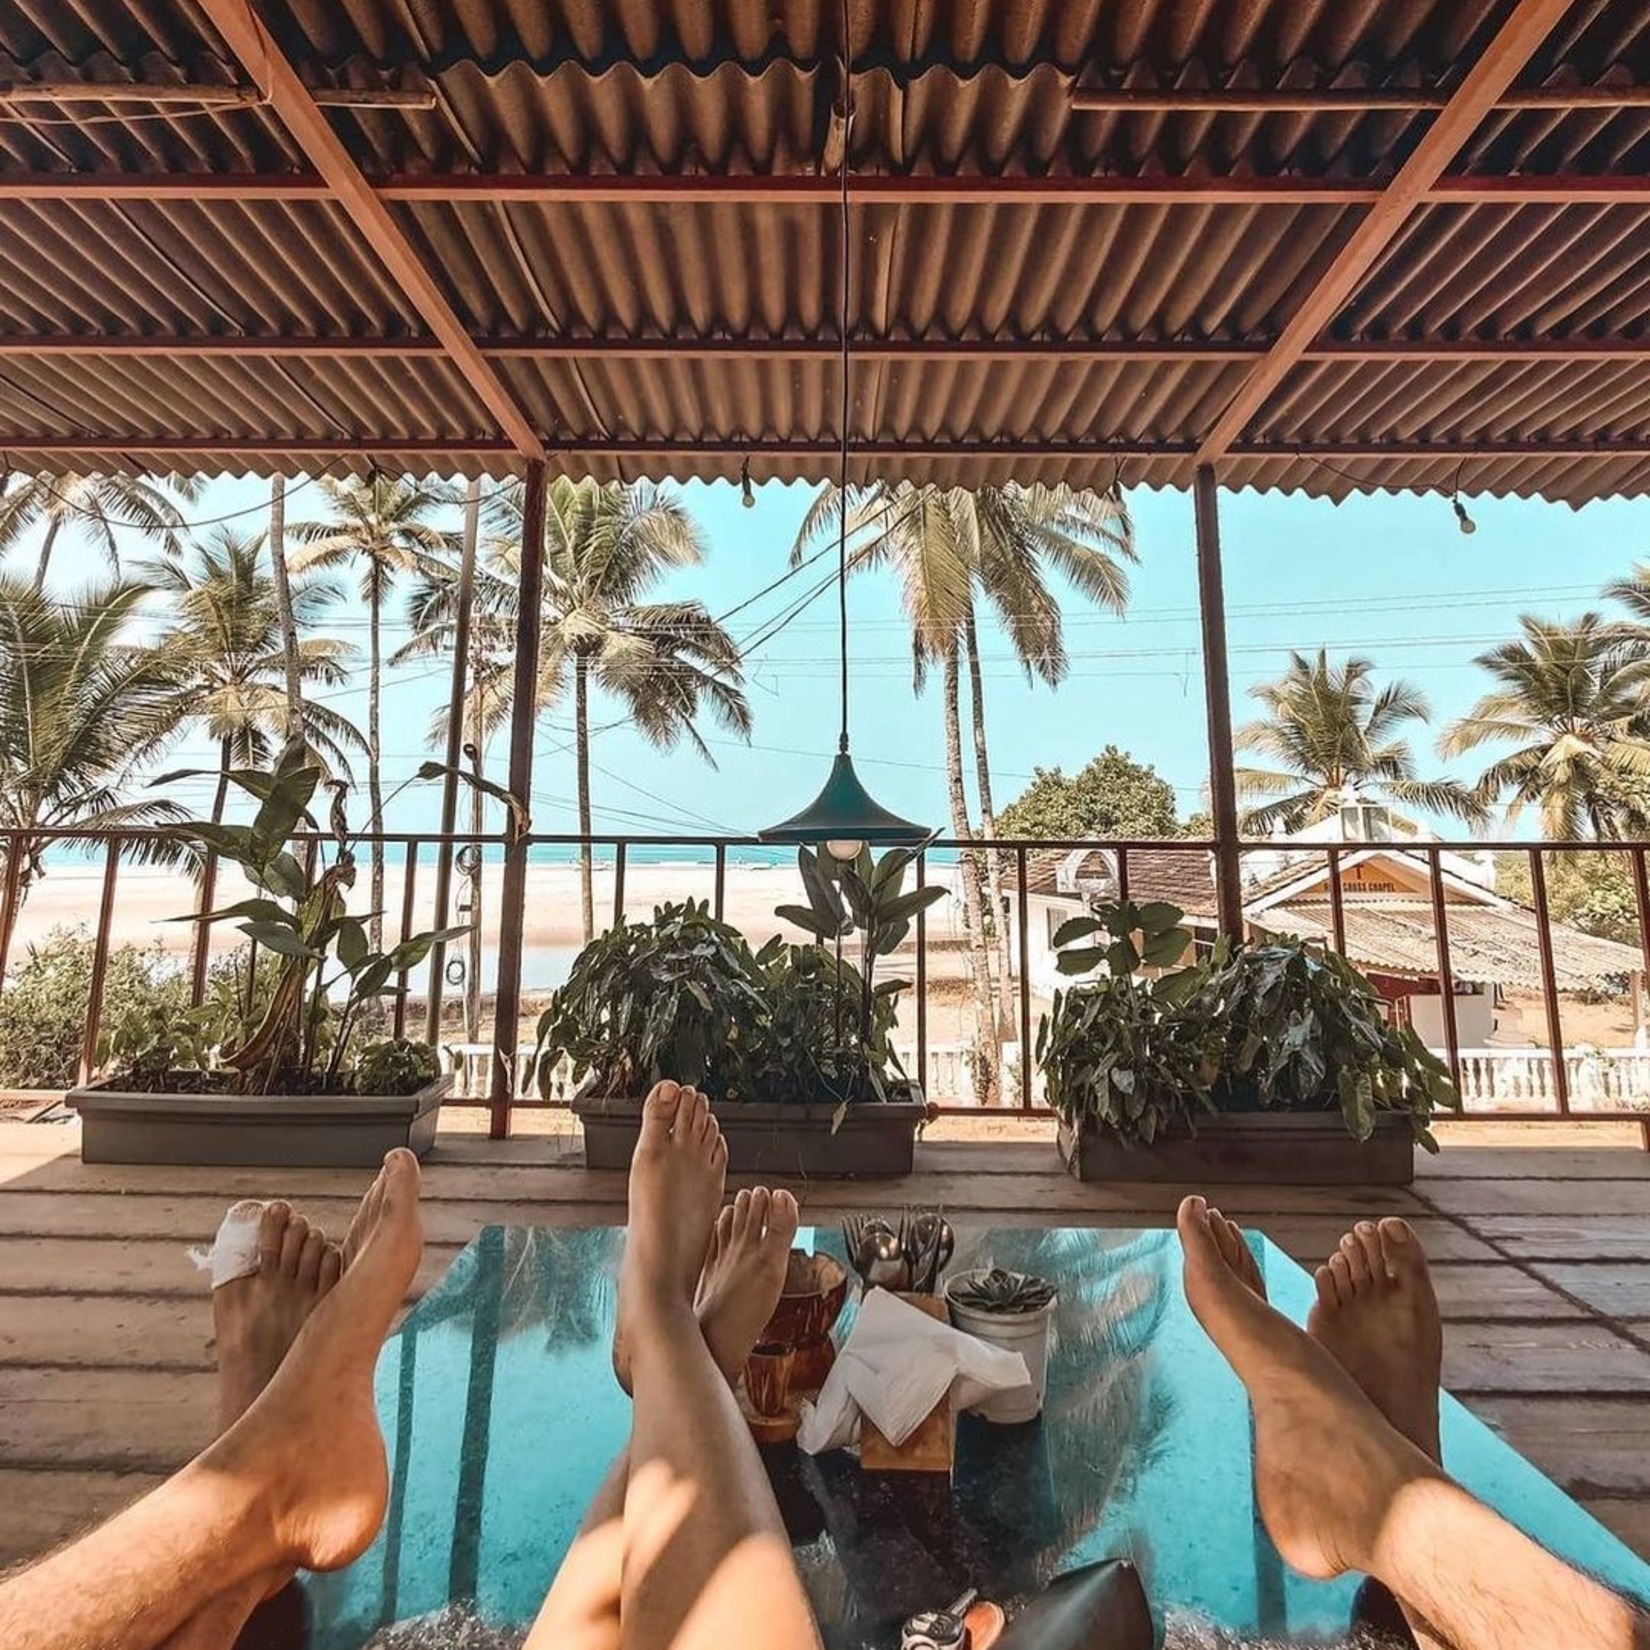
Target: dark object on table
point(1100, 1607)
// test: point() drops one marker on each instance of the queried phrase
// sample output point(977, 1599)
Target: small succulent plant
point(1001, 1292)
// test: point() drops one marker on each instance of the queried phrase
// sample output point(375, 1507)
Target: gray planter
point(1253, 1148)
point(285, 1131)
point(877, 1138)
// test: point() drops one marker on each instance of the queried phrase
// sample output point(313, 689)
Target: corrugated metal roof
point(746, 88)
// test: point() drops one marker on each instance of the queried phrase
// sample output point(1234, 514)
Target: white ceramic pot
point(1022, 1332)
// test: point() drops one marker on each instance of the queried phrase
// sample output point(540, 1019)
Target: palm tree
point(83, 711)
point(949, 547)
point(385, 524)
point(96, 505)
point(605, 547)
point(1335, 738)
point(227, 641)
point(1571, 702)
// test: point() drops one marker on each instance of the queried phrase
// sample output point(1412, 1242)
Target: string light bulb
point(747, 493)
point(1462, 520)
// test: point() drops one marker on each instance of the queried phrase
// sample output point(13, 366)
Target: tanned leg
point(738, 1290)
point(1341, 1489)
point(298, 1482)
point(1377, 1316)
point(707, 1563)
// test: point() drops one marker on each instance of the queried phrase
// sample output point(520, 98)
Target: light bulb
point(1462, 519)
point(845, 851)
point(747, 494)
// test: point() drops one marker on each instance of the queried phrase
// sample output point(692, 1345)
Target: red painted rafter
point(244, 33)
point(809, 190)
point(1513, 44)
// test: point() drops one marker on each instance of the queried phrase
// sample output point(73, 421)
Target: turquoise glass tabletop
point(501, 1416)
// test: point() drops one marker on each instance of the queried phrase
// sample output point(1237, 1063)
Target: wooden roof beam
point(1208, 352)
point(268, 67)
point(485, 188)
point(1514, 43)
point(734, 449)
point(1339, 100)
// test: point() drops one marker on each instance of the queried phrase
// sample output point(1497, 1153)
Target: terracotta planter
point(1252, 1148)
point(272, 1130)
point(877, 1138)
point(1022, 1332)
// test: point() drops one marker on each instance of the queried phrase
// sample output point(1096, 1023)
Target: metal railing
point(1540, 1081)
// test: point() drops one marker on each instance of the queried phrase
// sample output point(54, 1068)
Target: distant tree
point(93, 506)
point(1590, 891)
point(1111, 796)
point(1200, 824)
point(1334, 738)
point(1570, 701)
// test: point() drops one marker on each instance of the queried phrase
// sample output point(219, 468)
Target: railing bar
point(100, 962)
point(1025, 981)
point(922, 980)
point(11, 898)
point(1446, 975)
point(1549, 980)
point(250, 995)
point(1337, 905)
point(1122, 876)
point(721, 900)
point(1641, 894)
point(409, 878)
point(618, 883)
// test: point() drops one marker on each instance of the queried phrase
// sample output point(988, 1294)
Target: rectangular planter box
point(264, 1131)
point(792, 1141)
point(1253, 1148)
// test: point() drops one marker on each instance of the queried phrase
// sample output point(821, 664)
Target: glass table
point(501, 1416)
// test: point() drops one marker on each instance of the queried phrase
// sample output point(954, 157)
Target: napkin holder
point(932, 1447)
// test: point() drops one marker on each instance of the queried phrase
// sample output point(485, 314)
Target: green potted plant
point(1267, 1063)
point(275, 1072)
point(792, 1043)
point(1013, 1310)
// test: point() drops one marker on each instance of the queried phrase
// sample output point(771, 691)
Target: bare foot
point(256, 1319)
point(676, 1178)
point(1377, 1315)
point(310, 1443)
point(745, 1274)
point(1329, 1471)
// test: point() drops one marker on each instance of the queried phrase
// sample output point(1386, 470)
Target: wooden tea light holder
point(795, 1351)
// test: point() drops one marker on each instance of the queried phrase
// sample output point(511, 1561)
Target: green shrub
point(43, 1006)
point(397, 1065)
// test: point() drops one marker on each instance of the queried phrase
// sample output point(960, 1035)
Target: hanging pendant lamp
point(845, 817)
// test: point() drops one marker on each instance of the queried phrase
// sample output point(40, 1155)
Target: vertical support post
point(1446, 974)
point(1025, 979)
point(100, 961)
point(722, 881)
point(1549, 979)
point(1211, 601)
point(1122, 876)
point(201, 956)
point(11, 898)
point(1337, 902)
point(455, 750)
point(922, 980)
point(618, 882)
point(523, 714)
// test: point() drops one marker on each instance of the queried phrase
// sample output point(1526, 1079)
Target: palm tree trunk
point(46, 553)
point(987, 1054)
point(581, 738)
point(375, 753)
point(988, 829)
point(283, 609)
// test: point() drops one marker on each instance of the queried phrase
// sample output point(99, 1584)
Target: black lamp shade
point(844, 811)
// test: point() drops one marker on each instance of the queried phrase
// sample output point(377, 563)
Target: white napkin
point(234, 1252)
point(895, 1366)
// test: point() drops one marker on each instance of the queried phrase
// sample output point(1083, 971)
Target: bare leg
point(1340, 1489)
point(707, 1562)
point(743, 1275)
point(1377, 1316)
point(299, 1481)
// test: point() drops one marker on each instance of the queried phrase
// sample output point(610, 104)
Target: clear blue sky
point(1388, 577)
